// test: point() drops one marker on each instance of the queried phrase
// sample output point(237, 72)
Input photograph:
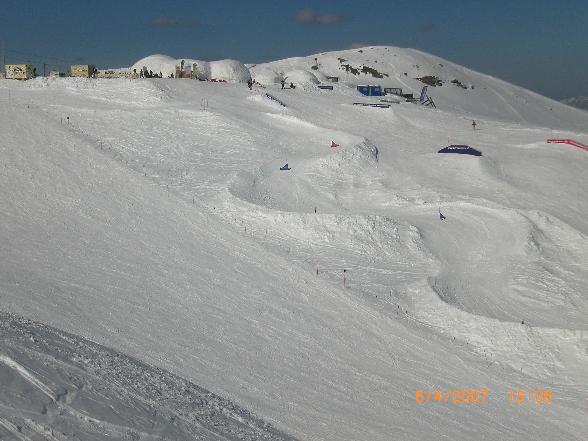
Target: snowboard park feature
point(163, 278)
point(461, 150)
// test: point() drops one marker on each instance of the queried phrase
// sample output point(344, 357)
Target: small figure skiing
point(474, 124)
point(441, 215)
point(283, 82)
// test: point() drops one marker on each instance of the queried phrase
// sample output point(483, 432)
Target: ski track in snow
point(100, 394)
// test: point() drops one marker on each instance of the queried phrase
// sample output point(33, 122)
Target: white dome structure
point(301, 77)
point(266, 76)
point(229, 70)
point(156, 63)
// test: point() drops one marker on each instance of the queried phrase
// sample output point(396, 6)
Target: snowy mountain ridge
point(459, 89)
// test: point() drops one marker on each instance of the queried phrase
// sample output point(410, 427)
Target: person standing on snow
point(283, 82)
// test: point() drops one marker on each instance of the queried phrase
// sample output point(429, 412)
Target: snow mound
point(537, 256)
point(229, 70)
point(289, 190)
point(301, 77)
point(107, 90)
point(364, 154)
point(381, 236)
point(157, 63)
point(320, 135)
point(266, 76)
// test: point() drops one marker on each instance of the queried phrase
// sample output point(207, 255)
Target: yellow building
point(19, 71)
point(82, 70)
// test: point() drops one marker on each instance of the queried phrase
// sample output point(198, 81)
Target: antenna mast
point(2, 54)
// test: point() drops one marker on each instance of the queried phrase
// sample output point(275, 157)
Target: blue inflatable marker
point(285, 167)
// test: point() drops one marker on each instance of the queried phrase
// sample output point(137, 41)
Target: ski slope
point(151, 217)
point(72, 388)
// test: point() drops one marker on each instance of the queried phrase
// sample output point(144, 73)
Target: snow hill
point(66, 391)
point(147, 230)
point(461, 90)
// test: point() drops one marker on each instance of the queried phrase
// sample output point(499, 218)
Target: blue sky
point(541, 44)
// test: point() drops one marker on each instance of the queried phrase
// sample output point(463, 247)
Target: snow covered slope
point(58, 386)
point(152, 217)
point(463, 90)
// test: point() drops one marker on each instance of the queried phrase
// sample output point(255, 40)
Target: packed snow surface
point(152, 218)
point(56, 385)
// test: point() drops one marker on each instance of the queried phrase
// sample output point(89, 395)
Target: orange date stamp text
point(474, 396)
